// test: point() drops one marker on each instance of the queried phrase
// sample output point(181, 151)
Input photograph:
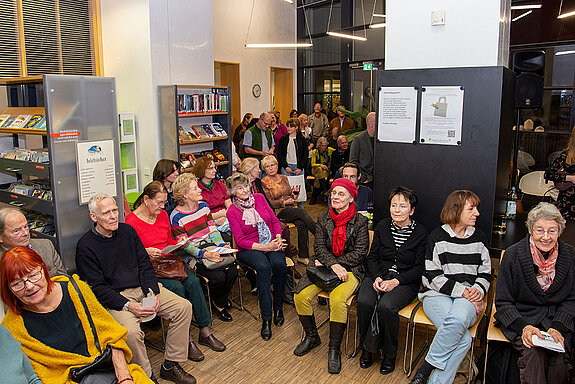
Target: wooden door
point(228, 74)
point(282, 91)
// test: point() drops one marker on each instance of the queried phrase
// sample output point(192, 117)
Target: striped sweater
point(453, 264)
point(198, 225)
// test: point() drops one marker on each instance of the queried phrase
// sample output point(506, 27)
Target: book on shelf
point(3, 118)
point(183, 135)
point(208, 130)
point(199, 101)
point(218, 130)
point(8, 121)
point(20, 121)
point(181, 103)
point(34, 121)
point(218, 155)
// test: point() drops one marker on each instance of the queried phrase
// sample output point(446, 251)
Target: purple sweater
point(246, 235)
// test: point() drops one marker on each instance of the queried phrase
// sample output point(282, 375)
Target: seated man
point(342, 121)
point(340, 156)
point(364, 194)
point(113, 261)
point(14, 231)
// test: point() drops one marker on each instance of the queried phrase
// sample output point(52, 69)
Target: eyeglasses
point(160, 203)
point(551, 231)
point(21, 284)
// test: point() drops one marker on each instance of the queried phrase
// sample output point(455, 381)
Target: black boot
point(336, 331)
point(311, 339)
point(266, 331)
point(314, 194)
point(366, 359)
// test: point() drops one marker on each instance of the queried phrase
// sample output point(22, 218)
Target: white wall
point(473, 34)
point(147, 43)
point(274, 21)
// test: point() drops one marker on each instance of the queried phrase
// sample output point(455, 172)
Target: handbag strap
point(96, 341)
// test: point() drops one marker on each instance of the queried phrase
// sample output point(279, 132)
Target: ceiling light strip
point(530, 6)
point(278, 45)
point(346, 36)
point(521, 16)
point(568, 14)
point(377, 25)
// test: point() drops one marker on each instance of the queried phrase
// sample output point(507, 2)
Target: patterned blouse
point(277, 193)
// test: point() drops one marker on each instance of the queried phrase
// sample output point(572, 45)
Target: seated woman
point(562, 170)
point(535, 292)
point(257, 234)
point(332, 138)
point(15, 364)
point(341, 244)
point(37, 309)
point(165, 172)
point(214, 194)
point(455, 281)
point(192, 219)
point(320, 168)
point(153, 226)
point(394, 269)
point(279, 194)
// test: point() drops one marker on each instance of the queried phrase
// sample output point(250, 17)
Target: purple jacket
point(282, 130)
point(246, 235)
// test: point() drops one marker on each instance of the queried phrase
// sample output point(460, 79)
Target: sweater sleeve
point(322, 252)
point(215, 235)
point(314, 162)
point(483, 279)
point(552, 173)
point(234, 218)
point(505, 303)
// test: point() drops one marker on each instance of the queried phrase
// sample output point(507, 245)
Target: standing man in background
point(343, 122)
point(318, 123)
point(362, 151)
point(259, 140)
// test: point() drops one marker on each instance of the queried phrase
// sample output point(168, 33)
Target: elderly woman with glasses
point(152, 224)
point(257, 233)
point(535, 293)
point(47, 317)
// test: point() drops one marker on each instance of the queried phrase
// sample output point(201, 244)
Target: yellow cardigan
point(52, 365)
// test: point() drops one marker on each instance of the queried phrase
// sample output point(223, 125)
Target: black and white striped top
point(453, 264)
point(400, 236)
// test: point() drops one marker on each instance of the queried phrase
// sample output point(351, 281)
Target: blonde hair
point(248, 164)
point(269, 159)
point(571, 149)
point(181, 186)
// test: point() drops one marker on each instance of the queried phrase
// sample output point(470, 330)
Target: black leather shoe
point(366, 359)
point(223, 315)
point(177, 375)
point(266, 329)
point(228, 304)
point(387, 366)
point(334, 361)
point(279, 317)
point(418, 379)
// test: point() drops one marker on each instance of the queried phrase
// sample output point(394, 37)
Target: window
point(47, 36)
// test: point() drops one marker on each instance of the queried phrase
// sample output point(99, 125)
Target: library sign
point(96, 169)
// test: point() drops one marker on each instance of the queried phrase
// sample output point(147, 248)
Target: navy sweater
point(110, 265)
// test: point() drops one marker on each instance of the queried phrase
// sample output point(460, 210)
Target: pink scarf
point(249, 214)
point(546, 267)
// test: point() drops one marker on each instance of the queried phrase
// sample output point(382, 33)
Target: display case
point(44, 119)
point(196, 121)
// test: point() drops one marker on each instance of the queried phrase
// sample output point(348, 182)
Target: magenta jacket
point(282, 130)
point(246, 235)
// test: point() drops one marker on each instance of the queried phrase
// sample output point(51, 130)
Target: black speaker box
point(529, 67)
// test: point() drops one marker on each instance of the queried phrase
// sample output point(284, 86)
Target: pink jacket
point(246, 235)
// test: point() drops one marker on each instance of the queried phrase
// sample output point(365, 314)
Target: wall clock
point(256, 90)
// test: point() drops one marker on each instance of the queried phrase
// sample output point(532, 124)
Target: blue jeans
point(270, 269)
point(293, 167)
point(452, 316)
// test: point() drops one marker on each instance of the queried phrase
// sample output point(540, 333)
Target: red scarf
point(339, 233)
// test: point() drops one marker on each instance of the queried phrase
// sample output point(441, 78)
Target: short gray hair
point(5, 212)
point(321, 140)
point(94, 200)
point(341, 137)
point(545, 211)
point(234, 180)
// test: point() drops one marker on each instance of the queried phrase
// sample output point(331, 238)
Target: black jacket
point(520, 300)
point(410, 256)
point(300, 148)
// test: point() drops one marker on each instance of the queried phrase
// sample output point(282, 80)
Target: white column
point(474, 34)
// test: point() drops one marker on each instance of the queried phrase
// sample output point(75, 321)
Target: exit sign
point(367, 66)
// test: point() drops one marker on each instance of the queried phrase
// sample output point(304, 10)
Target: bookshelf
point(38, 165)
point(185, 111)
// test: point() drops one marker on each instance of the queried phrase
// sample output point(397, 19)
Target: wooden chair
point(415, 315)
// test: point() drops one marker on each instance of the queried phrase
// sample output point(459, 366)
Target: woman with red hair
point(37, 308)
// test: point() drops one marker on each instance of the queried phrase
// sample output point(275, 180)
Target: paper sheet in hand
point(148, 302)
point(222, 250)
point(173, 247)
point(547, 342)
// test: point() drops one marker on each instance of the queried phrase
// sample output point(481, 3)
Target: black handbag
point(101, 370)
point(372, 338)
point(323, 277)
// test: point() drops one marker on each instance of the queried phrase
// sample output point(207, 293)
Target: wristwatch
point(126, 306)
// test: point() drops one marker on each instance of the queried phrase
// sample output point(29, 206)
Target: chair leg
point(405, 370)
point(470, 372)
point(485, 365)
point(209, 299)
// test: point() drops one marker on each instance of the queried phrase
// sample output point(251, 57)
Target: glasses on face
point(161, 203)
point(34, 277)
point(551, 231)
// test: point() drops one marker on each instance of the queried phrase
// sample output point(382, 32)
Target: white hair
point(94, 200)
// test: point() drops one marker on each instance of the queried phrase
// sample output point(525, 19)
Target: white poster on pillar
point(96, 168)
point(441, 115)
point(397, 114)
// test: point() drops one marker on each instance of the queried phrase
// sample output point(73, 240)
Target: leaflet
point(547, 342)
point(173, 247)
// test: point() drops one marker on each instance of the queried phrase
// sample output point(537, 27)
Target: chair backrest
point(534, 183)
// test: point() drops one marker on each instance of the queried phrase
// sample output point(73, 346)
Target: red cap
point(347, 184)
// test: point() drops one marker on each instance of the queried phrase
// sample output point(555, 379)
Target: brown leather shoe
point(212, 342)
point(177, 375)
point(194, 352)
